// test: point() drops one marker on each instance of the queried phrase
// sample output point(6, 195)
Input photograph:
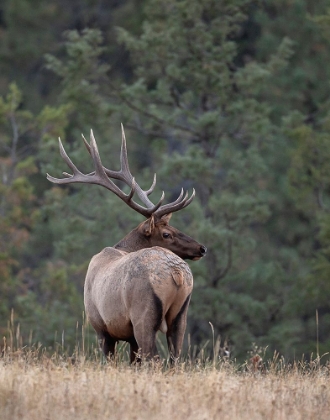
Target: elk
point(142, 284)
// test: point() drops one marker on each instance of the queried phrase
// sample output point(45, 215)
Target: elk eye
point(166, 235)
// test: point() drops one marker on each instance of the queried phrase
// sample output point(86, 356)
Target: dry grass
point(36, 385)
point(33, 386)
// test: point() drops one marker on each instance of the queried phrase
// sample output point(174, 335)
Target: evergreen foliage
point(230, 98)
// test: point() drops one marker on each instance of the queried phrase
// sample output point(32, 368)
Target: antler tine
point(104, 180)
point(66, 159)
point(187, 202)
point(176, 205)
point(125, 175)
point(124, 171)
point(70, 164)
point(86, 144)
point(131, 193)
point(178, 200)
point(124, 166)
point(148, 192)
point(156, 206)
point(96, 156)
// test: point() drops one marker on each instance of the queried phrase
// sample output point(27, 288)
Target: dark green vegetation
point(229, 97)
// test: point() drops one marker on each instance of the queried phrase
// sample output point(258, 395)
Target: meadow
point(35, 385)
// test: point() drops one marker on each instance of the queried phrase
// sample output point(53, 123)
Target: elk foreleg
point(107, 343)
point(134, 351)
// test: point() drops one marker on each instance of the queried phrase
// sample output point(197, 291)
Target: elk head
point(155, 231)
point(159, 233)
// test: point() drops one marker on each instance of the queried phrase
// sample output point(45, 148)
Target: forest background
point(228, 97)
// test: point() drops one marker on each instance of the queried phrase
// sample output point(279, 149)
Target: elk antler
point(102, 176)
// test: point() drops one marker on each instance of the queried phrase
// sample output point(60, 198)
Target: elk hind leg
point(146, 326)
point(145, 335)
point(176, 330)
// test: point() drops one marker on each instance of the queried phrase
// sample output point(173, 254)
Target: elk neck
point(134, 241)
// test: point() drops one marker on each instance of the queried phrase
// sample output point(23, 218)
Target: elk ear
point(166, 218)
point(148, 226)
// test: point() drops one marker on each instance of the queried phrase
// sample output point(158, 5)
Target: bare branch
point(220, 274)
point(320, 202)
point(142, 111)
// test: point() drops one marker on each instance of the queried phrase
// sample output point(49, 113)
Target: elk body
point(142, 285)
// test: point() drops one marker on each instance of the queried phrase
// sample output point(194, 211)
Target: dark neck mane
point(132, 242)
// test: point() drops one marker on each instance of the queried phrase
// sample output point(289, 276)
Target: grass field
point(34, 386)
point(45, 384)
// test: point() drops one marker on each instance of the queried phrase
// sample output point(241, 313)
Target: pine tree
point(310, 186)
point(204, 114)
point(213, 95)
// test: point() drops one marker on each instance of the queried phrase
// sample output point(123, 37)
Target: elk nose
point(203, 249)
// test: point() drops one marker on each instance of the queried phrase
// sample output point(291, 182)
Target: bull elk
point(140, 285)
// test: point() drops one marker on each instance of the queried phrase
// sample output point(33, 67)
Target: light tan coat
point(130, 296)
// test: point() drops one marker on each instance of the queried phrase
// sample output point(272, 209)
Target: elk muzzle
point(202, 251)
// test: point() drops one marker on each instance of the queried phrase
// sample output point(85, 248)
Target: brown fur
point(119, 298)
